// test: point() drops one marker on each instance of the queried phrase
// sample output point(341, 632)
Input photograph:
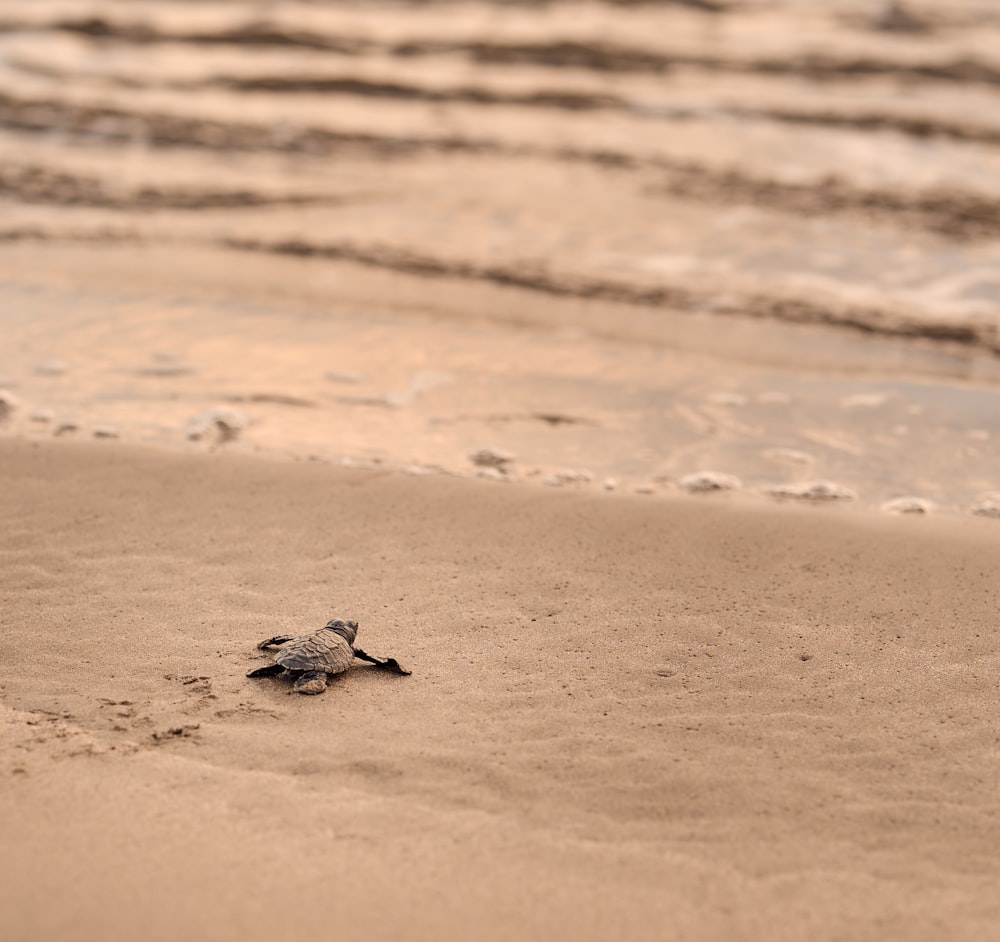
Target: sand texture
point(626, 719)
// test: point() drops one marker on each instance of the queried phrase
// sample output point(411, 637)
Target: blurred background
point(616, 242)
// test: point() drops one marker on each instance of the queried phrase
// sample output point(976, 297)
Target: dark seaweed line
point(922, 127)
point(537, 278)
point(411, 263)
point(569, 100)
point(29, 183)
point(468, 94)
point(947, 211)
point(953, 213)
point(167, 130)
point(595, 56)
point(102, 236)
point(869, 320)
point(897, 18)
point(572, 100)
point(249, 34)
point(607, 57)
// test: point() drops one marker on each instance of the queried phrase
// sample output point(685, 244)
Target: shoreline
point(706, 486)
point(329, 362)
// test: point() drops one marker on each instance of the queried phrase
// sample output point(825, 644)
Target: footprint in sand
point(246, 708)
point(58, 735)
point(197, 689)
point(199, 685)
point(173, 733)
point(119, 710)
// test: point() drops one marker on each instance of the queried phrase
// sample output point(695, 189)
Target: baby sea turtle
point(312, 659)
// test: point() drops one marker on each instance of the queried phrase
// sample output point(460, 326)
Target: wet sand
point(337, 362)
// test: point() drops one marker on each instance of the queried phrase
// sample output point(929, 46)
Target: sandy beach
point(625, 719)
point(627, 370)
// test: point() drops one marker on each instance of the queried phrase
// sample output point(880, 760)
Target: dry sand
point(627, 718)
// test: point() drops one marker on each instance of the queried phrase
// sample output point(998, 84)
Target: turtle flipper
point(384, 664)
point(268, 671)
point(393, 666)
point(310, 682)
point(274, 642)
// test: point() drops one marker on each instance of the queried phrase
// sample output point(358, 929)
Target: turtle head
point(346, 629)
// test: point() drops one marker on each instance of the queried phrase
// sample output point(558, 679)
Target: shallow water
point(636, 242)
point(395, 387)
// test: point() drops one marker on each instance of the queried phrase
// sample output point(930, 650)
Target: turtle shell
point(324, 650)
